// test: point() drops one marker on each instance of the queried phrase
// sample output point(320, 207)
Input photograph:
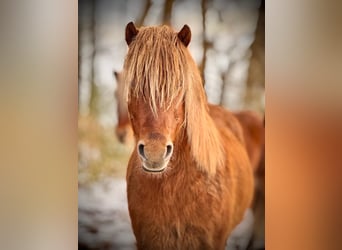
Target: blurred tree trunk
point(224, 76)
point(139, 22)
point(167, 12)
point(93, 88)
point(256, 72)
point(205, 43)
point(223, 90)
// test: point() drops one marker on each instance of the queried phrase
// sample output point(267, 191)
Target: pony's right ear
point(131, 32)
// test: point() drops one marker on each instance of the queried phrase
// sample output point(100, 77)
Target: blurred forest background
point(228, 44)
point(222, 35)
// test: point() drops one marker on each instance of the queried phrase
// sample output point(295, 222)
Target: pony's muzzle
point(154, 155)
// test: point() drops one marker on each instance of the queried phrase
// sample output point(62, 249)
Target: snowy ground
point(104, 221)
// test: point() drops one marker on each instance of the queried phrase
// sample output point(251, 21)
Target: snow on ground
point(104, 221)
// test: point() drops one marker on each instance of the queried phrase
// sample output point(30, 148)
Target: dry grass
point(100, 153)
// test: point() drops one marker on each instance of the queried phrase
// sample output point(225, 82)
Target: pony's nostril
point(168, 150)
point(141, 150)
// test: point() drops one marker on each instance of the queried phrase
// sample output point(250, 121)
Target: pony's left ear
point(131, 32)
point(185, 35)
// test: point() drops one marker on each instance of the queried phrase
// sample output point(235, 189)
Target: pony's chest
point(171, 204)
point(171, 225)
point(181, 214)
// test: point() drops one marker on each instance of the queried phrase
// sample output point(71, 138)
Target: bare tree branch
point(139, 22)
point(167, 12)
point(205, 43)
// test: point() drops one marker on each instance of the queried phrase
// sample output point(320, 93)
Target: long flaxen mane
point(159, 68)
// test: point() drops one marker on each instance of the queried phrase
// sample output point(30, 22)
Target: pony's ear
point(131, 32)
point(185, 35)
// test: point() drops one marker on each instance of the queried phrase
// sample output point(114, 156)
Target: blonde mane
point(159, 68)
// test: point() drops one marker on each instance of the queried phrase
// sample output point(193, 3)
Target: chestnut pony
point(189, 179)
point(252, 125)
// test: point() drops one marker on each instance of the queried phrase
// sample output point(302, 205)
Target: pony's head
point(123, 128)
point(166, 99)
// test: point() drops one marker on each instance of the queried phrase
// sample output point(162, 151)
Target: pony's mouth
point(154, 167)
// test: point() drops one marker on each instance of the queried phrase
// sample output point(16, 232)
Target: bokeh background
point(222, 35)
point(228, 45)
point(39, 124)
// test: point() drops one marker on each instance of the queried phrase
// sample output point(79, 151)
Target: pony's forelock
point(154, 67)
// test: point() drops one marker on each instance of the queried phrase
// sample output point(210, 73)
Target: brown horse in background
point(189, 179)
point(252, 132)
point(254, 135)
point(123, 129)
point(258, 239)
